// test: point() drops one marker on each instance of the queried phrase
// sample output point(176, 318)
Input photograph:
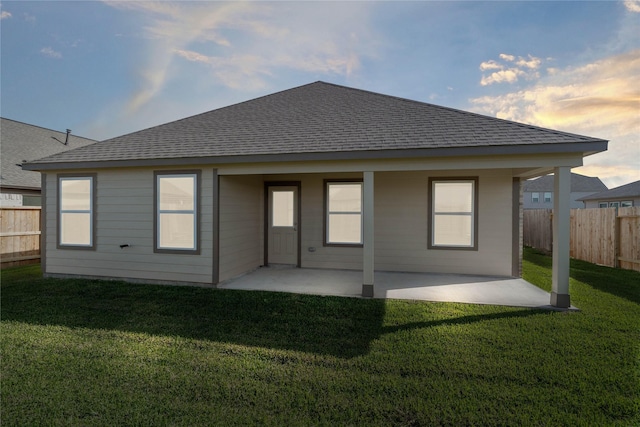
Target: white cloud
point(241, 45)
point(50, 53)
point(5, 15)
point(490, 65)
point(232, 71)
point(502, 76)
point(532, 63)
point(525, 68)
point(632, 5)
point(600, 99)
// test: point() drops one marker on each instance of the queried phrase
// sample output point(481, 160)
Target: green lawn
point(78, 352)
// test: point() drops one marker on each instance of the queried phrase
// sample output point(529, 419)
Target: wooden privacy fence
point(536, 229)
point(605, 236)
point(19, 235)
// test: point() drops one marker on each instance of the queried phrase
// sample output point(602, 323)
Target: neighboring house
point(20, 143)
point(318, 176)
point(538, 193)
point(619, 197)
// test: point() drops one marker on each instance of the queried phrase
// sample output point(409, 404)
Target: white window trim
point(194, 212)
point(91, 211)
point(537, 198)
point(328, 213)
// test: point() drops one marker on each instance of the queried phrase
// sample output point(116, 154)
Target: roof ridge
point(210, 111)
point(49, 129)
point(613, 192)
point(468, 113)
point(398, 98)
point(323, 117)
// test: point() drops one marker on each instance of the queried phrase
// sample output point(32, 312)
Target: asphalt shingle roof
point(21, 142)
point(630, 190)
point(316, 118)
point(579, 184)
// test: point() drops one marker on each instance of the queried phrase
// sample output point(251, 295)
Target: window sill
point(343, 245)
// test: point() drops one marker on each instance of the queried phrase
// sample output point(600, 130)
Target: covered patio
point(472, 289)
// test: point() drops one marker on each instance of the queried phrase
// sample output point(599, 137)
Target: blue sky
point(106, 68)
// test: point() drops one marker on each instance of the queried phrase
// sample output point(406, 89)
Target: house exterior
point(19, 143)
point(620, 197)
point(538, 193)
point(318, 176)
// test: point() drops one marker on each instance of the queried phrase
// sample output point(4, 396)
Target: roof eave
point(586, 148)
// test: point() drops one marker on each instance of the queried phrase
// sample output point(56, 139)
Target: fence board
point(594, 239)
point(629, 243)
point(605, 236)
point(537, 231)
point(19, 235)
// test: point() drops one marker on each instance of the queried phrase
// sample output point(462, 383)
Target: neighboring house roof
point(321, 121)
point(21, 142)
point(626, 191)
point(579, 184)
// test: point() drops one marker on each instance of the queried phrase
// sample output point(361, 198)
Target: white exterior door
point(283, 225)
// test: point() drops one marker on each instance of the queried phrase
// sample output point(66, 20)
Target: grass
point(77, 352)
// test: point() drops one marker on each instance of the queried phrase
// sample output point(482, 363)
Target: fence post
point(616, 241)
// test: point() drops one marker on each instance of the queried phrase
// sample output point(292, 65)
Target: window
point(453, 208)
point(343, 220)
point(623, 204)
point(548, 197)
point(76, 211)
point(282, 208)
point(535, 197)
point(177, 216)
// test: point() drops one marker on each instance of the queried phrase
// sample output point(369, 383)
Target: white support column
point(561, 214)
point(367, 235)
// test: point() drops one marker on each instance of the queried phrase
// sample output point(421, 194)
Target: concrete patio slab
point(505, 291)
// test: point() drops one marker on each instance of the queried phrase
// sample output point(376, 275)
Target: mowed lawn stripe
point(78, 352)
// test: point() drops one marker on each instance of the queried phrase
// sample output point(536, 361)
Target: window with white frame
point(535, 197)
point(76, 211)
point(453, 208)
point(547, 197)
point(343, 213)
point(623, 204)
point(176, 219)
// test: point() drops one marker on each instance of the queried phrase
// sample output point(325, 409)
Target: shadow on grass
point(621, 283)
point(615, 281)
point(464, 320)
point(337, 326)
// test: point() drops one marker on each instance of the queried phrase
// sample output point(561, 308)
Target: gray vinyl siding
point(125, 216)
point(400, 224)
point(573, 200)
point(313, 253)
point(241, 225)
point(590, 204)
point(401, 218)
point(124, 212)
